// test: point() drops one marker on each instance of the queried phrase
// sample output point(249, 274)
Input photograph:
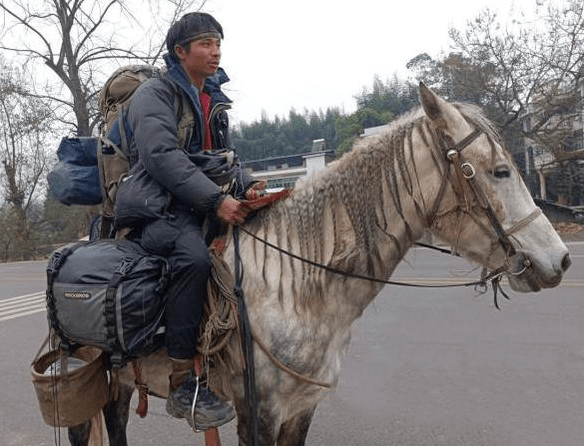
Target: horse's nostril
point(566, 262)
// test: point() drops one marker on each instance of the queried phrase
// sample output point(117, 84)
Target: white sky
point(316, 54)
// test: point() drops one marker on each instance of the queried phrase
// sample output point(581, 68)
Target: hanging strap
point(247, 346)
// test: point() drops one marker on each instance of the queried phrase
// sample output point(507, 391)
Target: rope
point(287, 369)
point(221, 321)
point(220, 312)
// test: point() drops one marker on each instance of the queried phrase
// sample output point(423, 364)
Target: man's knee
point(198, 261)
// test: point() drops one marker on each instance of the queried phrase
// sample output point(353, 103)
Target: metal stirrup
point(193, 410)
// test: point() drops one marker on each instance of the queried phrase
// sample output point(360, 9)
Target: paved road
point(425, 367)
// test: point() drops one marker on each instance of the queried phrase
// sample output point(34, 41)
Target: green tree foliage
point(294, 135)
point(289, 136)
point(388, 99)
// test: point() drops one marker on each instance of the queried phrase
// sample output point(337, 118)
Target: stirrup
point(194, 405)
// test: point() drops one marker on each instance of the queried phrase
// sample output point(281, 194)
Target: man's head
point(192, 26)
point(195, 40)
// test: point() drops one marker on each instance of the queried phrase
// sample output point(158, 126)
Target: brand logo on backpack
point(77, 294)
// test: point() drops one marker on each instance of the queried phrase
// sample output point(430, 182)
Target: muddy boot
point(208, 411)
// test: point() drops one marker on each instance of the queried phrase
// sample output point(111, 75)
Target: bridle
point(465, 173)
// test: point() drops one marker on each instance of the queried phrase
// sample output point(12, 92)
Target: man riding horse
point(205, 184)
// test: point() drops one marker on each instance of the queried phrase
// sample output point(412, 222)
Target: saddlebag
point(108, 294)
point(71, 388)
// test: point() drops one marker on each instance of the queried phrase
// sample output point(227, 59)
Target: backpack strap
point(124, 136)
point(117, 358)
point(186, 118)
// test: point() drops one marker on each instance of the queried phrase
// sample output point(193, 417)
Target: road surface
point(426, 367)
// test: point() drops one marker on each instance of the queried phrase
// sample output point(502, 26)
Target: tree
point(79, 39)
point(25, 126)
point(80, 42)
point(527, 76)
point(389, 99)
point(533, 69)
point(285, 136)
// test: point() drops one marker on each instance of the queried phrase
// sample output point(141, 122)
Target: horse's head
point(481, 205)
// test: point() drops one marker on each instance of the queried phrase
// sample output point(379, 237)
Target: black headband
point(200, 35)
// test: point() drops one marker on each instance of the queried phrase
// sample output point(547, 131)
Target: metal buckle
point(468, 171)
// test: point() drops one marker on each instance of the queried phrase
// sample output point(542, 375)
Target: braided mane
point(366, 187)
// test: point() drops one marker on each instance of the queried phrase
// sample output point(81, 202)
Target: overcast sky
point(316, 54)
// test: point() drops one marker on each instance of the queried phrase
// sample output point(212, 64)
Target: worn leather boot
point(208, 411)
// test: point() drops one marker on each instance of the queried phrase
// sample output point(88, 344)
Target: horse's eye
point(501, 172)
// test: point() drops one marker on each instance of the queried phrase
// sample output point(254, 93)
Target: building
point(283, 171)
point(564, 131)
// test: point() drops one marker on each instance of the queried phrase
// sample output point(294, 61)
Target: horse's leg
point(116, 416)
point(267, 427)
point(79, 435)
point(294, 431)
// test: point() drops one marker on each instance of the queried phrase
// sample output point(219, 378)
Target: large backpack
point(75, 182)
point(115, 133)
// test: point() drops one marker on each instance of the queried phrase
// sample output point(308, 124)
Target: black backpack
point(108, 294)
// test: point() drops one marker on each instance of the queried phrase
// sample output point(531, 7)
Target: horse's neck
point(346, 219)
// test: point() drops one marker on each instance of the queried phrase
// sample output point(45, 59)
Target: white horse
point(441, 168)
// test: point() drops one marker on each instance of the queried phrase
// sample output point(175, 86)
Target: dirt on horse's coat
point(361, 215)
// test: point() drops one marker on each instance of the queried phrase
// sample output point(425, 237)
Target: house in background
point(282, 172)
point(560, 180)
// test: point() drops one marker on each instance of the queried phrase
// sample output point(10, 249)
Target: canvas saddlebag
point(70, 388)
point(108, 294)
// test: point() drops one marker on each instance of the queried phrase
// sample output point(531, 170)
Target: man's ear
point(180, 52)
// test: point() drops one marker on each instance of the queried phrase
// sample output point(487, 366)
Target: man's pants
point(181, 241)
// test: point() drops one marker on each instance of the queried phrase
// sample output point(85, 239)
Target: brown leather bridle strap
point(453, 154)
point(467, 171)
point(518, 226)
point(447, 146)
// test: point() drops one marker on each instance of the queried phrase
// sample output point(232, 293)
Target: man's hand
point(256, 190)
point(232, 211)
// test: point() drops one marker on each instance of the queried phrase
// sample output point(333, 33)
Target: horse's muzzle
point(526, 274)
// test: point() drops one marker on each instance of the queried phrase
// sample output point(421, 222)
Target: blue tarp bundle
point(75, 178)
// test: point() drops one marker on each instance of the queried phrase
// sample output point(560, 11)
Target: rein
point(464, 172)
point(330, 269)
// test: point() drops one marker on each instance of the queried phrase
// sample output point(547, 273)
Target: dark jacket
point(182, 175)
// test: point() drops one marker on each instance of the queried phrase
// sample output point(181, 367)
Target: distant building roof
point(283, 162)
point(374, 130)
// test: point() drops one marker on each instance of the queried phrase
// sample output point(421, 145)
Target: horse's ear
point(433, 106)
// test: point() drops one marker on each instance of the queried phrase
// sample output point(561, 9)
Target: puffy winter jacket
point(184, 175)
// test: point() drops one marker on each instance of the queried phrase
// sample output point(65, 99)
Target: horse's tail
point(97, 430)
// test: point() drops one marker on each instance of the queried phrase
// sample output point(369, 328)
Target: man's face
point(201, 59)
